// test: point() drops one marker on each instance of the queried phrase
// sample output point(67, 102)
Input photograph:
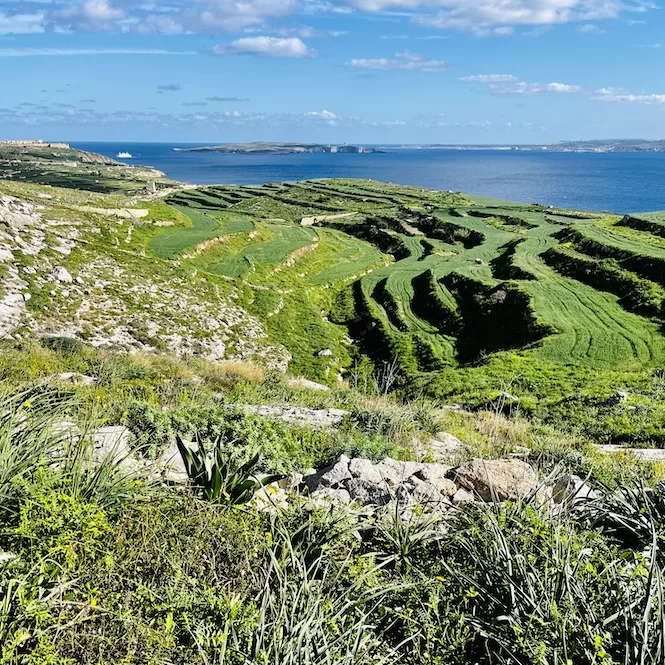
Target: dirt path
point(123, 213)
point(310, 221)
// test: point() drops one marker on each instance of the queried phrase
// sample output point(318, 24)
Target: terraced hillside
point(437, 279)
point(466, 299)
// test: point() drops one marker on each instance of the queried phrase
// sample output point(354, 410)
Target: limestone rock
point(298, 415)
point(333, 476)
point(61, 274)
point(446, 447)
point(571, 489)
point(305, 384)
point(65, 430)
point(330, 496)
point(291, 481)
point(365, 470)
point(73, 378)
point(497, 480)
point(112, 443)
point(437, 476)
point(424, 493)
point(171, 465)
point(463, 496)
point(366, 493)
point(399, 471)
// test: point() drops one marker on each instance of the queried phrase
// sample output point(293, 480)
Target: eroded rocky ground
point(74, 272)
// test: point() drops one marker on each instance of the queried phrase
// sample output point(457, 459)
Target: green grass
point(106, 567)
point(170, 242)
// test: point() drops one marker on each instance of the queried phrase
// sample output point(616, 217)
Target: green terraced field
point(435, 279)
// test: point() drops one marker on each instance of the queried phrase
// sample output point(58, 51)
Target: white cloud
point(619, 95)
point(21, 24)
point(405, 61)
point(91, 15)
point(486, 16)
point(323, 115)
point(507, 84)
point(55, 52)
point(175, 17)
point(482, 17)
point(525, 89)
point(488, 78)
point(308, 32)
point(271, 47)
point(590, 29)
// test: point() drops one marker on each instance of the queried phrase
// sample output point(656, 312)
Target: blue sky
point(372, 71)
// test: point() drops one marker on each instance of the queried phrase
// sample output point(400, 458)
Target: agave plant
point(218, 477)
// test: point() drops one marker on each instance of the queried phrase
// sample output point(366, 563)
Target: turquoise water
point(619, 182)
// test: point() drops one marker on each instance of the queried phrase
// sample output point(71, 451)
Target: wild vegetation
point(101, 564)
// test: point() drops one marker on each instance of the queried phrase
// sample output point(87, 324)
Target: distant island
point(595, 145)
point(266, 148)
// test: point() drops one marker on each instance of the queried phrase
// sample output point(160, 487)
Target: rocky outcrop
point(298, 415)
point(435, 485)
point(497, 480)
point(377, 484)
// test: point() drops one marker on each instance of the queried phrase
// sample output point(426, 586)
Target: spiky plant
point(218, 477)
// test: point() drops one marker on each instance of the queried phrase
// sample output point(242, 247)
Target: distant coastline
point(279, 148)
point(600, 146)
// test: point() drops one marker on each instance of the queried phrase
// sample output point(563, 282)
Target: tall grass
point(28, 438)
point(37, 437)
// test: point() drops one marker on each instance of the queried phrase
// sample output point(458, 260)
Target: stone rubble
point(366, 484)
point(426, 484)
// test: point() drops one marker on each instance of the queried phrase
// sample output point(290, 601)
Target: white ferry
point(124, 155)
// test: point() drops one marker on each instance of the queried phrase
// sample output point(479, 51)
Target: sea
point(615, 182)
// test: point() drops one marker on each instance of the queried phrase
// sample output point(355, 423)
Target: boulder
point(437, 476)
point(365, 470)
point(424, 493)
point(446, 447)
point(328, 495)
point(61, 274)
point(397, 471)
point(366, 493)
point(332, 476)
point(497, 480)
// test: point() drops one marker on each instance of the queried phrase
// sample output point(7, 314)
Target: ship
point(124, 155)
